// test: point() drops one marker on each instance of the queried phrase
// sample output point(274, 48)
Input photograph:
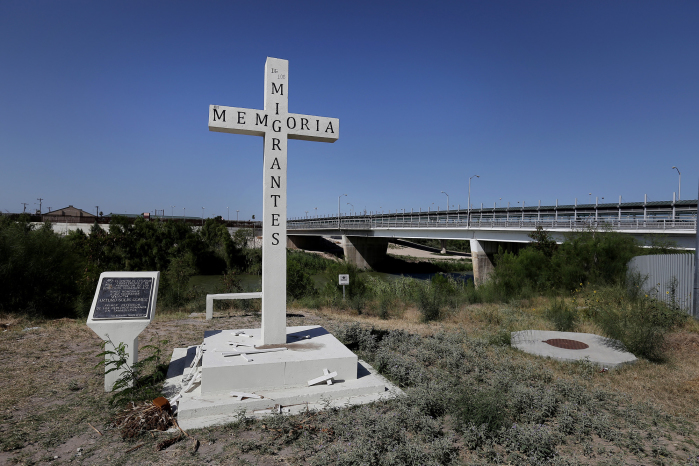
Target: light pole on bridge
point(468, 215)
point(679, 188)
point(339, 225)
point(447, 204)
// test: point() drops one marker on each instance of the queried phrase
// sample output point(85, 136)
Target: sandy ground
point(399, 250)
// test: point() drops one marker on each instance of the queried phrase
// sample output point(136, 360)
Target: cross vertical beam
point(274, 204)
point(276, 125)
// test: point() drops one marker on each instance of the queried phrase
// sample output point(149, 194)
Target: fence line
point(668, 277)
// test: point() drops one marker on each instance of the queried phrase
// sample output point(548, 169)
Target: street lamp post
point(339, 224)
point(316, 208)
point(447, 205)
point(351, 207)
point(679, 188)
point(236, 215)
point(228, 209)
point(468, 215)
point(202, 216)
point(172, 210)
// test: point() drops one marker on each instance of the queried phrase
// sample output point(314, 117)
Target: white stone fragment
point(326, 377)
point(251, 351)
point(242, 395)
point(190, 386)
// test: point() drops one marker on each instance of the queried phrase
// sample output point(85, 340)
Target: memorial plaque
point(124, 298)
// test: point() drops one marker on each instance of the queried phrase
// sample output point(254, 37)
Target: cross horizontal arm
point(238, 120)
point(257, 122)
point(312, 128)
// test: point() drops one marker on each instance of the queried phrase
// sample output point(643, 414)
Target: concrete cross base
point(197, 411)
point(234, 360)
point(571, 346)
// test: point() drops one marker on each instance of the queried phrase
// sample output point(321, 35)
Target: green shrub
point(39, 270)
point(175, 290)
point(428, 303)
point(639, 322)
point(589, 256)
point(487, 407)
point(298, 282)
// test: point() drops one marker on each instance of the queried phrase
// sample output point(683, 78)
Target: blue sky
point(105, 103)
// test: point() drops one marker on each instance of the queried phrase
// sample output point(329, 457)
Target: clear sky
point(105, 103)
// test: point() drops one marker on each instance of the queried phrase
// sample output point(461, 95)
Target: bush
point(39, 270)
point(485, 408)
point(428, 303)
point(298, 282)
point(640, 325)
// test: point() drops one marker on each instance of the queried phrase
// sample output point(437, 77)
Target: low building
point(68, 214)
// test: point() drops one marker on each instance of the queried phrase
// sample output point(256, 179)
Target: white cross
point(276, 125)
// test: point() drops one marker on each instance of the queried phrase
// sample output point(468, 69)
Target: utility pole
point(97, 211)
point(25, 207)
point(40, 199)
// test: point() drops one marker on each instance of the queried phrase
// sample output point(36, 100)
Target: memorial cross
point(276, 125)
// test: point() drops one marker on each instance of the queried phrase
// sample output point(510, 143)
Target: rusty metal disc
point(566, 344)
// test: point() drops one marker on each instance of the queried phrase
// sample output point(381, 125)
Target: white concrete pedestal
point(118, 331)
point(279, 378)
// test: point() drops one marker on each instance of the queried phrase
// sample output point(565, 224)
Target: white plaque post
point(123, 306)
point(276, 125)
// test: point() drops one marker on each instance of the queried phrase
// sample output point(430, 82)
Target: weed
point(563, 316)
point(138, 381)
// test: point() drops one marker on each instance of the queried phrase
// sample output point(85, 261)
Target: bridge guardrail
point(364, 224)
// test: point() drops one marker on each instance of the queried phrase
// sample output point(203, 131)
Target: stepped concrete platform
point(279, 378)
point(572, 346)
point(309, 350)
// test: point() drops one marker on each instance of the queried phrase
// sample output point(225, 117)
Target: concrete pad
point(597, 349)
point(303, 359)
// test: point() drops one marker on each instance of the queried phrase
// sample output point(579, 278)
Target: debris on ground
point(168, 442)
point(139, 418)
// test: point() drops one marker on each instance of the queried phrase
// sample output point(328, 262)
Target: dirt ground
point(400, 250)
point(53, 408)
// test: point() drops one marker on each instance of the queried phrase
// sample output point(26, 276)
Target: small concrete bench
point(210, 300)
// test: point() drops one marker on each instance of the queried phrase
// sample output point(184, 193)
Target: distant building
point(68, 214)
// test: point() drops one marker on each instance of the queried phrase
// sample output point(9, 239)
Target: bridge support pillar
point(443, 243)
point(482, 254)
point(364, 252)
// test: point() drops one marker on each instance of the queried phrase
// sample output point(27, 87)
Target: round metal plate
point(566, 344)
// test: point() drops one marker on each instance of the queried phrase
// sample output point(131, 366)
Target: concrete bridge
point(365, 237)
